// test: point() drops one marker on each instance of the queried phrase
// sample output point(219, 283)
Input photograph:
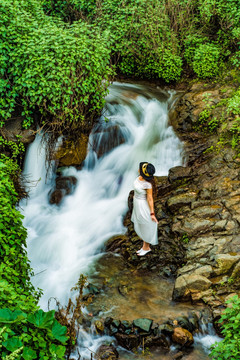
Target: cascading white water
point(65, 241)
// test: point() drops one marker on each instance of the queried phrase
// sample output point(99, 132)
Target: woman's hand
point(153, 217)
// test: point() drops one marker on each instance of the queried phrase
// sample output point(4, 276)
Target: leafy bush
point(51, 67)
point(25, 330)
point(206, 61)
point(229, 348)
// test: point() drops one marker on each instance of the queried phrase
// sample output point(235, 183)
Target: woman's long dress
point(145, 228)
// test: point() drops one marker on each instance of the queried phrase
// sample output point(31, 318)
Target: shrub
point(24, 329)
point(50, 67)
point(229, 348)
point(206, 61)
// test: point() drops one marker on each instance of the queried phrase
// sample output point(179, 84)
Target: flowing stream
point(67, 240)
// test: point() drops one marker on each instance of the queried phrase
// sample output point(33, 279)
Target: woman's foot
point(138, 251)
point(143, 252)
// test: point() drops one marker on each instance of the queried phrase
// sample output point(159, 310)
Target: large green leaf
point(8, 316)
point(41, 319)
point(59, 332)
point(58, 350)
point(29, 354)
point(12, 343)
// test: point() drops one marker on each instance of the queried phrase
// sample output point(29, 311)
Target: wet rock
point(93, 289)
point(185, 324)
point(179, 355)
point(143, 324)
point(186, 284)
point(126, 324)
point(66, 183)
point(56, 196)
point(107, 352)
point(64, 186)
point(182, 336)
point(178, 201)
point(225, 262)
point(116, 323)
point(72, 153)
point(156, 341)
point(166, 329)
point(129, 342)
point(99, 326)
point(105, 138)
point(114, 244)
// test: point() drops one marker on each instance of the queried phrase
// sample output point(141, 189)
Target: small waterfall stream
point(65, 241)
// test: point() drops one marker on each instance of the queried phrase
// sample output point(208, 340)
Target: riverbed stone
point(143, 324)
point(107, 352)
point(225, 262)
point(128, 341)
point(186, 284)
point(182, 336)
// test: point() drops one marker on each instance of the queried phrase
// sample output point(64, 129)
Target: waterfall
point(65, 241)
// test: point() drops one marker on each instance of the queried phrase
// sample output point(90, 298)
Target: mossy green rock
point(143, 324)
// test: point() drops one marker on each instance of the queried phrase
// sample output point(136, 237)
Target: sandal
point(143, 252)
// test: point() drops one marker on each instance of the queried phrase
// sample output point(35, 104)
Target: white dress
point(145, 228)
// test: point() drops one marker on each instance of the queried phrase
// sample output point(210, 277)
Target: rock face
point(13, 129)
point(198, 208)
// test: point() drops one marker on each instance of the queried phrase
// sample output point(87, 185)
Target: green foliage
point(38, 333)
point(206, 61)
point(15, 149)
point(140, 38)
point(185, 239)
point(233, 105)
point(27, 332)
point(229, 348)
point(51, 67)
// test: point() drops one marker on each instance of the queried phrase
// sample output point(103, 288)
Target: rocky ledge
point(198, 208)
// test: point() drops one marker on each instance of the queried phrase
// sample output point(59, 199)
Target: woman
point(143, 216)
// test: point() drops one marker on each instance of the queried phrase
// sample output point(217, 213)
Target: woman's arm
point(151, 204)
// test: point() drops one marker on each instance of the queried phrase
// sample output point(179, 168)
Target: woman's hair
point(154, 187)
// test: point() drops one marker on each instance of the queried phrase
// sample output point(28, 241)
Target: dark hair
point(150, 178)
point(154, 187)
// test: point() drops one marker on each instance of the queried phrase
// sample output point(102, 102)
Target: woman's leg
point(145, 246)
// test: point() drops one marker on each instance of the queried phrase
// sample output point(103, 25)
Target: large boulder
point(72, 153)
point(187, 284)
point(182, 336)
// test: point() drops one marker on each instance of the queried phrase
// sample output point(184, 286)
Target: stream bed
point(68, 240)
